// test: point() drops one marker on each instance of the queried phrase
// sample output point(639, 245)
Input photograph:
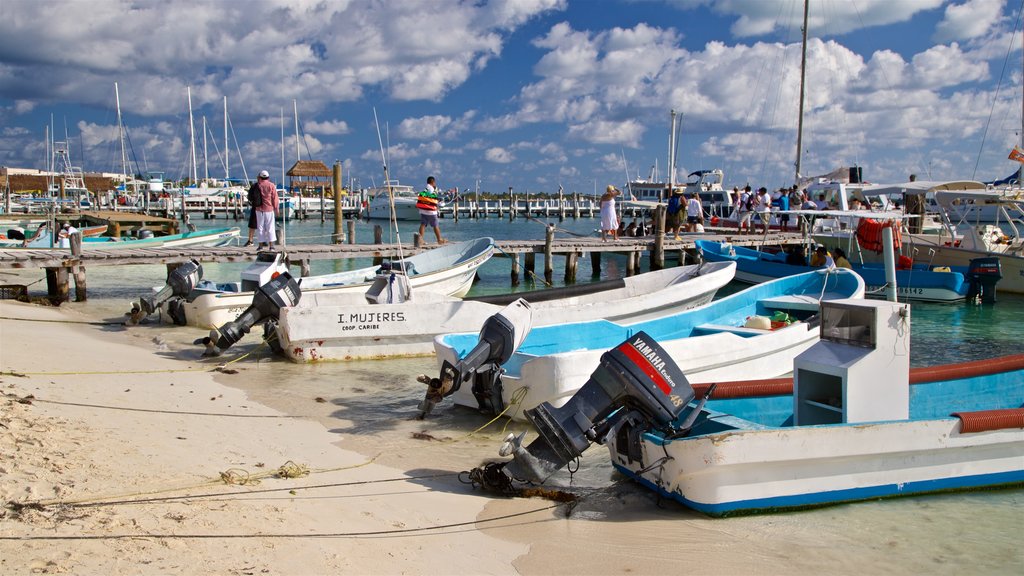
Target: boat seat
point(738, 330)
point(797, 301)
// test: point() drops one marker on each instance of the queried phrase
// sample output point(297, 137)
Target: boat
point(404, 202)
point(732, 338)
point(448, 269)
point(917, 282)
point(855, 424)
point(343, 326)
point(212, 237)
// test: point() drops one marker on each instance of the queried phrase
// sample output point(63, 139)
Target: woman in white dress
point(609, 219)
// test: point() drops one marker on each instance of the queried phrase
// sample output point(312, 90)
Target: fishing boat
point(404, 202)
point(212, 237)
point(343, 326)
point(751, 334)
point(914, 282)
point(448, 269)
point(854, 424)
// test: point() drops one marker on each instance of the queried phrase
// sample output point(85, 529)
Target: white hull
point(803, 466)
point(344, 327)
point(710, 358)
point(214, 310)
point(405, 209)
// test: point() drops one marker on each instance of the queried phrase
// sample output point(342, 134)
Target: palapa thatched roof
point(309, 169)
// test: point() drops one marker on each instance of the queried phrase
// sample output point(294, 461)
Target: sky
point(522, 94)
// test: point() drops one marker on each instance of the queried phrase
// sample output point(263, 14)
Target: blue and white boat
point(916, 283)
point(733, 338)
point(855, 423)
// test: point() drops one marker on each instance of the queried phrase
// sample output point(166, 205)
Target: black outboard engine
point(636, 383)
point(180, 282)
point(500, 336)
point(983, 275)
point(281, 292)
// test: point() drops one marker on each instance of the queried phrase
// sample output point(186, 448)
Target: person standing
point(694, 211)
point(784, 209)
point(763, 205)
point(744, 210)
point(255, 198)
point(64, 236)
point(673, 213)
point(428, 202)
point(266, 212)
point(609, 219)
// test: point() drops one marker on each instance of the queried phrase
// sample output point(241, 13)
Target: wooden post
point(658, 253)
point(515, 268)
point(57, 285)
point(351, 230)
point(338, 212)
point(304, 267)
point(79, 272)
point(530, 261)
point(595, 264)
point(76, 244)
point(630, 263)
point(570, 267)
point(378, 238)
point(511, 208)
point(549, 237)
point(417, 240)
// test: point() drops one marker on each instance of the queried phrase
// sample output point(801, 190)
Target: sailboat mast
point(803, 76)
point(282, 146)
point(295, 106)
point(120, 135)
point(192, 136)
point(227, 148)
point(206, 157)
point(671, 156)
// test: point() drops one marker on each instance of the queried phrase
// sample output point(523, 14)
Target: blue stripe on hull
point(826, 498)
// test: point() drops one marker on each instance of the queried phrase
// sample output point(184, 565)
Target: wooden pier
point(62, 264)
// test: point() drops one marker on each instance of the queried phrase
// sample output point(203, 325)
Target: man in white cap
point(266, 212)
point(64, 236)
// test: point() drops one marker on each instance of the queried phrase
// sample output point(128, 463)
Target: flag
point(1017, 154)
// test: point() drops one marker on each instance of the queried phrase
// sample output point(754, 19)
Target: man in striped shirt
point(427, 202)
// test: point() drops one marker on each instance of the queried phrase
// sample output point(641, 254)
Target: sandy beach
point(122, 452)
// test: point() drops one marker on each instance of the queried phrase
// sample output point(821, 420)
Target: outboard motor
point(636, 384)
point(180, 282)
point(281, 292)
point(268, 265)
point(500, 336)
point(983, 275)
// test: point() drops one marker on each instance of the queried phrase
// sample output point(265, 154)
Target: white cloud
point(498, 155)
point(971, 19)
point(423, 127)
point(328, 128)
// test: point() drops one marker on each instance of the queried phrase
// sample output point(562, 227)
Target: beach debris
point(422, 436)
point(13, 373)
point(292, 470)
point(238, 476)
point(492, 478)
point(319, 400)
point(225, 370)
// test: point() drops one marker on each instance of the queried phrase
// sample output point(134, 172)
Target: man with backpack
point(254, 198)
point(674, 213)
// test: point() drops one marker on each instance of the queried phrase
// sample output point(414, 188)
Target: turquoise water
point(940, 333)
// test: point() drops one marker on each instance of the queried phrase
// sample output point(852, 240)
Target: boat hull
point(345, 327)
point(753, 460)
point(452, 277)
point(708, 343)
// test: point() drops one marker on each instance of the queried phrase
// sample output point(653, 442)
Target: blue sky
point(529, 94)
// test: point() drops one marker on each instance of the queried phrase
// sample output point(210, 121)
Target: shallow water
point(371, 407)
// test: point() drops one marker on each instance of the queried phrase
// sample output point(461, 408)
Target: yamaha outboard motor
point(281, 292)
point(983, 274)
point(635, 384)
point(180, 282)
point(500, 336)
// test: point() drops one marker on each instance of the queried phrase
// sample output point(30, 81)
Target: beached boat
point(729, 339)
point(448, 269)
point(213, 237)
point(856, 424)
point(918, 282)
point(332, 326)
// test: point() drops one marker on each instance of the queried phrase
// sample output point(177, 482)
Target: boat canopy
point(922, 187)
point(948, 197)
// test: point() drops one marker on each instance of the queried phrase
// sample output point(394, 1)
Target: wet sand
point(117, 465)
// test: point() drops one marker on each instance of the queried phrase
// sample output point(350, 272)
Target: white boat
point(712, 342)
point(333, 326)
point(849, 427)
point(958, 241)
point(212, 237)
point(404, 202)
point(448, 269)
